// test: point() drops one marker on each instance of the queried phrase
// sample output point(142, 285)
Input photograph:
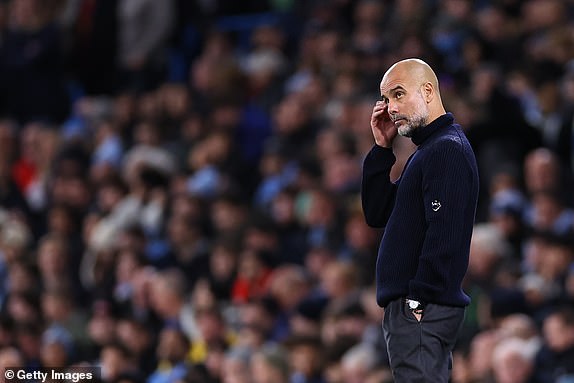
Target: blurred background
point(179, 185)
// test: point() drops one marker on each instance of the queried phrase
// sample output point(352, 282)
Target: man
point(555, 361)
point(428, 215)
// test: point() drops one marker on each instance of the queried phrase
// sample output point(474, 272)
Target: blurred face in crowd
point(338, 279)
point(172, 346)
point(541, 171)
point(254, 315)
point(22, 278)
point(165, 301)
point(546, 210)
point(108, 197)
point(135, 336)
point(283, 208)
point(481, 345)
point(10, 357)
point(24, 14)
point(291, 116)
point(174, 99)
point(288, 286)
point(305, 359)
point(127, 266)
point(101, 329)
point(235, 370)
point(250, 266)
point(181, 231)
point(321, 209)
point(56, 306)
point(558, 335)
point(222, 262)
point(358, 234)
point(210, 324)
point(113, 362)
point(512, 367)
point(72, 191)
point(317, 259)
point(52, 256)
point(20, 308)
point(556, 257)
point(227, 215)
point(53, 354)
point(264, 371)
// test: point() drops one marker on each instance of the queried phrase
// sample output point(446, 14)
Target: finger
point(378, 114)
point(378, 109)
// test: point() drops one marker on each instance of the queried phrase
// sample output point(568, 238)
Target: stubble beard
point(418, 120)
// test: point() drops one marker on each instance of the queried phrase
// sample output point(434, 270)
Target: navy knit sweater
point(428, 215)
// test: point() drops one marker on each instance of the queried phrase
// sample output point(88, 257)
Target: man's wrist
point(380, 145)
point(415, 306)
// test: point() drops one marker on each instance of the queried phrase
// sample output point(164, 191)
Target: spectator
point(60, 312)
point(541, 171)
point(306, 358)
point(253, 275)
point(31, 58)
point(169, 301)
point(289, 286)
point(358, 363)
point(513, 361)
point(115, 360)
point(359, 247)
point(101, 328)
point(236, 367)
point(212, 331)
point(555, 359)
point(171, 354)
point(10, 356)
point(140, 340)
point(144, 29)
point(270, 365)
point(57, 347)
point(93, 47)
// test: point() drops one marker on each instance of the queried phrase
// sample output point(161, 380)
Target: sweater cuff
point(380, 153)
point(378, 160)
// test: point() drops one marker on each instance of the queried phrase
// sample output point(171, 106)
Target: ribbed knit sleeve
point(448, 185)
point(377, 190)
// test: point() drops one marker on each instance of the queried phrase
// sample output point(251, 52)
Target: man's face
point(557, 334)
point(405, 103)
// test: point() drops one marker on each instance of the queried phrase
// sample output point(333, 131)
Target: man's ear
point(428, 92)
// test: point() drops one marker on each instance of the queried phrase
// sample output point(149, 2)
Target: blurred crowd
point(179, 185)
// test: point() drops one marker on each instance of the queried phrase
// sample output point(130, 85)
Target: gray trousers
point(421, 351)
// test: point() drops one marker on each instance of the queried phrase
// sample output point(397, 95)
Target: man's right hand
point(384, 129)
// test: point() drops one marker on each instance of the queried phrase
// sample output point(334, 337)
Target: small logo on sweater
point(435, 205)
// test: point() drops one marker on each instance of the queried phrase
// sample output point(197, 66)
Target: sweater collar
point(421, 134)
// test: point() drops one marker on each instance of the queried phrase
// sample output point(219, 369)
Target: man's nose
point(392, 108)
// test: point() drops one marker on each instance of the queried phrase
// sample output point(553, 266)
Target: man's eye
point(399, 94)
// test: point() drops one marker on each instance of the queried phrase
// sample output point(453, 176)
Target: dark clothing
point(32, 83)
point(428, 213)
point(551, 366)
point(94, 48)
point(421, 351)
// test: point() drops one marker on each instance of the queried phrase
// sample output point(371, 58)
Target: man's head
point(558, 329)
point(411, 91)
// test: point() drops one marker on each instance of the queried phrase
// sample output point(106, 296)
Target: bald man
point(428, 215)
